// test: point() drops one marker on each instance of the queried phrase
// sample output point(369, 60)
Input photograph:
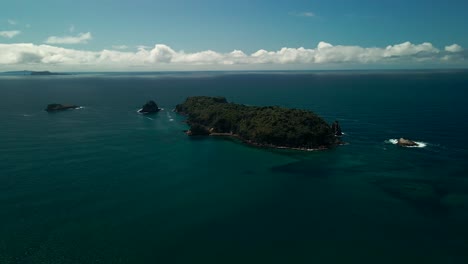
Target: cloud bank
point(81, 38)
point(164, 56)
point(9, 34)
point(454, 48)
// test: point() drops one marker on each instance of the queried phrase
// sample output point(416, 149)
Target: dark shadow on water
point(303, 169)
point(423, 195)
point(290, 153)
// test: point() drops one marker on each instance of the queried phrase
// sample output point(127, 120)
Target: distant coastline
point(32, 73)
point(170, 73)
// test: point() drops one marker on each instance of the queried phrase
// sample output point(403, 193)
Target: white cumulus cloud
point(454, 48)
point(409, 49)
point(11, 22)
point(163, 56)
point(161, 53)
point(81, 38)
point(9, 34)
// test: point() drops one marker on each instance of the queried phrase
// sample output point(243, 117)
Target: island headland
point(269, 126)
point(59, 107)
point(149, 108)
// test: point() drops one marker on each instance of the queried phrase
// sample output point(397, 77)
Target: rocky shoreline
point(258, 145)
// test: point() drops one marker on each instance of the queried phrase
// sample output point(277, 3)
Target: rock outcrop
point(336, 129)
point(149, 107)
point(406, 143)
point(59, 107)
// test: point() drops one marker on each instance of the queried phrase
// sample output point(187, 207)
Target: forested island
point(270, 126)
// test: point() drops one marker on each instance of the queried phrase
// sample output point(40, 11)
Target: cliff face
point(266, 126)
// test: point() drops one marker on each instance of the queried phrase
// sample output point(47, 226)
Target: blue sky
point(194, 27)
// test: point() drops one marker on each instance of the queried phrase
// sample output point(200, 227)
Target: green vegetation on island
point(270, 126)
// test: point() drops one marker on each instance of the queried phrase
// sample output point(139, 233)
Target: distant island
point(16, 73)
point(270, 126)
point(59, 107)
point(149, 108)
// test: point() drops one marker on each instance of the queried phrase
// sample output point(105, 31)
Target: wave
point(169, 117)
point(138, 111)
point(395, 141)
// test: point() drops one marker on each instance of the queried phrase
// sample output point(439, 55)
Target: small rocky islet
point(149, 108)
point(403, 142)
point(59, 107)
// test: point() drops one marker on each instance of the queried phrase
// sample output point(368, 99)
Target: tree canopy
point(271, 125)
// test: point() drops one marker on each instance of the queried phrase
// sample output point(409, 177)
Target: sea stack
point(336, 129)
point(406, 143)
point(59, 107)
point(149, 108)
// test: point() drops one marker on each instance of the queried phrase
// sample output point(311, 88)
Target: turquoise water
point(103, 184)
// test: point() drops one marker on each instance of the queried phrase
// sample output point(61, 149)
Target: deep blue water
point(103, 184)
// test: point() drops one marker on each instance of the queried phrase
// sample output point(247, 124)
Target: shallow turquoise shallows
point(104, 184)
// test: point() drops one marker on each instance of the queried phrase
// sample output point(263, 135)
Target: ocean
point(104, 184)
